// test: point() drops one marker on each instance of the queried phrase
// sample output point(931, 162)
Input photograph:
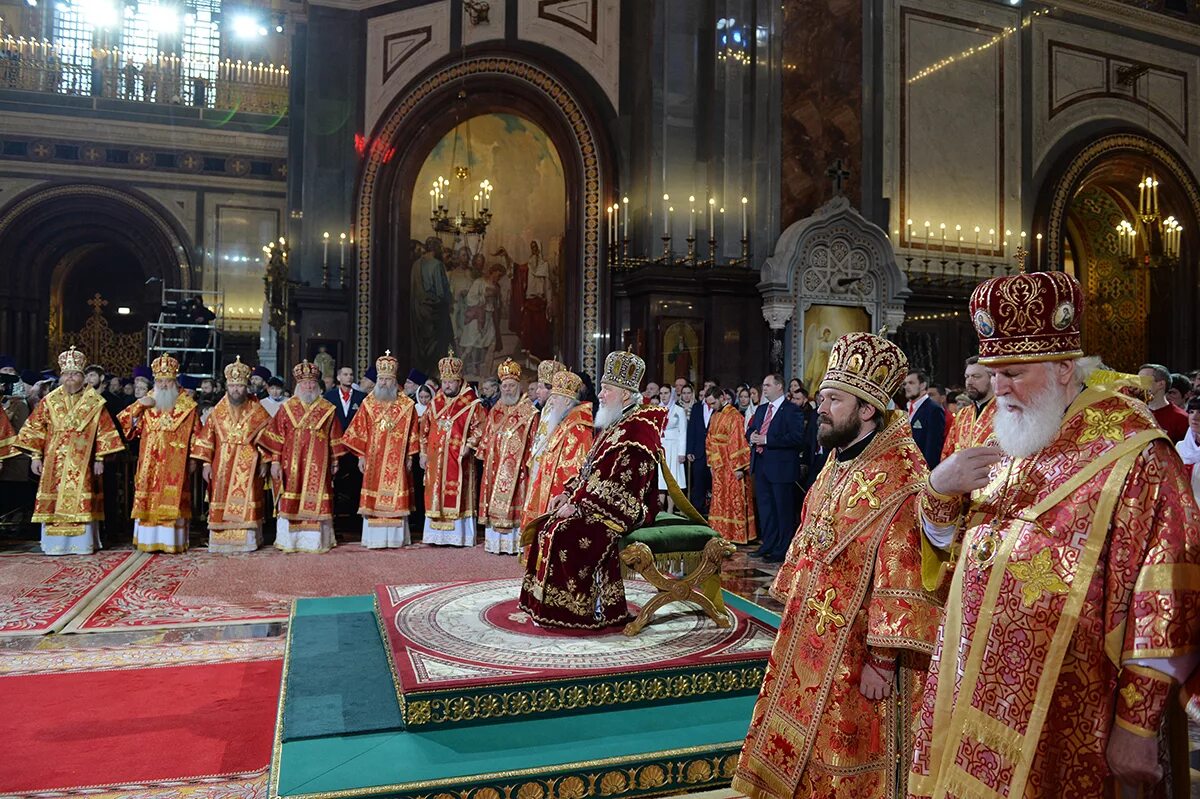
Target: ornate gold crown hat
point(164, 367)
point(71, 360)
point(868, 366)
point(237, 373)
point(386, 365)
point(566, 383)
point(450, 367)
point(624, 370)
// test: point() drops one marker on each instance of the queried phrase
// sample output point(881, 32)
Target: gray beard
point(509, 400)
point(607, 415)
point(385, 394)
point(308, 397)
point(165, 398)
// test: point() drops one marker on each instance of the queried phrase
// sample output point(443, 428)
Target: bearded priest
point(384, 436)
point(233, 468)
point(573, 577)
point(972, 426)
point(560, 444)
point(451, 428)
point(1073, 608)
point(504, 450)
point(165, 422)
point(833, 718)
point(73, 427)
point(302, 444)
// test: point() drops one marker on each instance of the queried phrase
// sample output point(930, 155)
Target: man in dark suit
point(699, 478)
point(776, 436)
point(928, 419)
point(347, 483)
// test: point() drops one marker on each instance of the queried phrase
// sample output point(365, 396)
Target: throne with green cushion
point(682, 559)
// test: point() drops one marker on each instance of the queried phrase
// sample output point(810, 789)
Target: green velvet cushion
point(671, 533)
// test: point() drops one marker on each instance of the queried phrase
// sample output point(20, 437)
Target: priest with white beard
point(560, 443)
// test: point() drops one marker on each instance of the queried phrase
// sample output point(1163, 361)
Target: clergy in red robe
point(67, 436)
point(165, 422)
point(1073, 610)
point(451, 428)
point(573, 577)
point(385, 437)
point(233, 467)
point(972, 426)
point(731, 511)
point(833, 718)
point(302, 444)
point(560, 443)
point(504, 449)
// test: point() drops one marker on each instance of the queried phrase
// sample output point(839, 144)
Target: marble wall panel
point(401, 46)
point(586, 31)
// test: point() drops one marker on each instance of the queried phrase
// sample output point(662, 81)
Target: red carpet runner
point(133, 726)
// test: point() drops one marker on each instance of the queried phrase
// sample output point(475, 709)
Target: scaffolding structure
point(176, 333)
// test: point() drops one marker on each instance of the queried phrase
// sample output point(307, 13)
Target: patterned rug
point(62, 660)
point(200, 588)
point(40, 594)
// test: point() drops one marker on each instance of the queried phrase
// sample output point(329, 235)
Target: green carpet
point(338, 680)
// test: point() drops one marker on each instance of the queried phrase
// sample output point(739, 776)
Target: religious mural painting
point(500, 294)
point(823, 325)
point(681, 343)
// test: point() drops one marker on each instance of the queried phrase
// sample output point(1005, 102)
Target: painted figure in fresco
point(432, 333)
point(530, 314)
point(481, 320)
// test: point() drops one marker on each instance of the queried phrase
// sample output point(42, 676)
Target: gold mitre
point(386, 365)
point(71, 360)
point(237, 373)
point(450, 367)
point(547, 369)
point(306, 370)
point(164, 367)
point(566, 383)
point(508, 370)
point(868, 366)
point(624, 370)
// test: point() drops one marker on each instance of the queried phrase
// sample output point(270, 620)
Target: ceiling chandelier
point(445, 193)
point(1150, 241)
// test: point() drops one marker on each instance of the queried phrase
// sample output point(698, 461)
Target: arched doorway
point(60, 246)
point(388, 193)
point(1132, 315)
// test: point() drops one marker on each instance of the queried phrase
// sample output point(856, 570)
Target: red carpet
point(130, 727)
point(200, 588)
point(39, 594)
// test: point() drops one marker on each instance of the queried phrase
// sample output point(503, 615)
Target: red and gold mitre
point(237, 373)
point(548, 369)
point(508, 370)
point(450, 367)
point(71, 360)
point(306, 370)
point(1032, 316)
point(868, 366)
point(566, 383)
point(164, 367)
point(386, 365)
point(624, 370)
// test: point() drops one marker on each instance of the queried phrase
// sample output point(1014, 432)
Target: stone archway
point(833, 259)
point(516, 84)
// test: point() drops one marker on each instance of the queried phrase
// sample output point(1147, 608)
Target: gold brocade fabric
point(8, 438)
point(161, 490)
point(304, 440)
point(504, 449)
point(1074, 562)
point(448, 428)
point(387, 436)
point(970, 429)
point(228, 441)
point(560, 460)
point(68, 433)
point(851, 585)
point(731, 511)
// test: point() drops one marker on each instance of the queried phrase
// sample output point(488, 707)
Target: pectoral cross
point(838, 174)
point(825, 612)
point(865, 489)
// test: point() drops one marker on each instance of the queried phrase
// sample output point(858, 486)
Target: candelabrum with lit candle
point(619, 242)
point(461, 223)
point(943, 256)
point(1150, 241)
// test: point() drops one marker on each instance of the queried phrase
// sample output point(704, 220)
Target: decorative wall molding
point(496, 26)
point(834, 257)
point(586, 31)
point(400, 47)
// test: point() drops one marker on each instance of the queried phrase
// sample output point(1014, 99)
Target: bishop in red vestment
point(450, 431)
point(504, 449)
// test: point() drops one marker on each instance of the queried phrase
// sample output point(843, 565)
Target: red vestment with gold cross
point(450, 426)
point(1077, 583)
point(304, 440)
point(556, 460)
point(731, 511)
point(386, 435)
point(851, 587)
point(504, 449)
point(228, 441)
point(69, 432)
point(162, 490)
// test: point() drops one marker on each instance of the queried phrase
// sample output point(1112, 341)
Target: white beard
point(308, 397)
point(1028, 431)
point(510, 401)
point(165, 398)
point(385, 394)
point(606, 415)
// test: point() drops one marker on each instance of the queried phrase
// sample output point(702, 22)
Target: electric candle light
point(977, 241)
point(625, 226)
point(692, 218)
point(926, 234)
point(342, 247)
point(1039, 249)
point(910, 236)
point(745, 227)
point(943, 229)
point(712, 230)
point(666, 215)
point(325, 250)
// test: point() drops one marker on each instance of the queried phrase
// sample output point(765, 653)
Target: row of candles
point(618, 218)
point(481, 201)
point(342, 241)
point(931, 241)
